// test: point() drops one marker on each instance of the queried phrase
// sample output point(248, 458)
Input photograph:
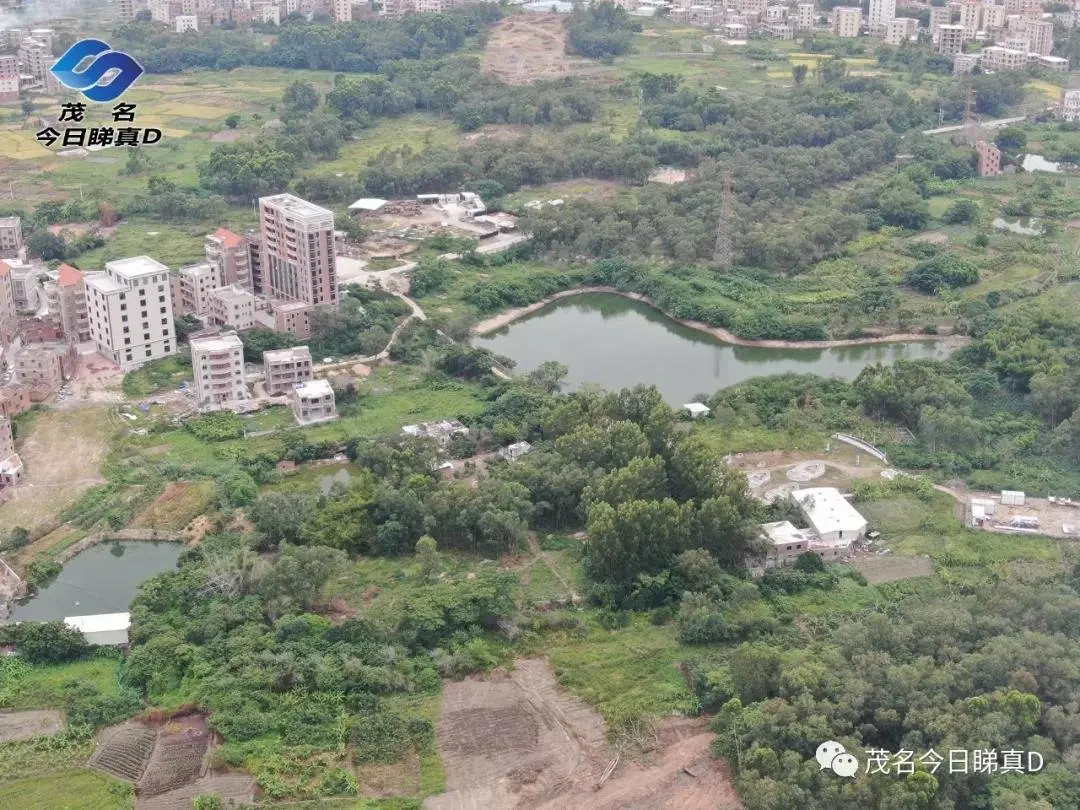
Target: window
point(127, 329)
point(123, 307)
point(127, 341)
point(164, 321)
point(161, 299)
point(148, 352)
point(124, 319)
point(163, 310)
point(146, 336)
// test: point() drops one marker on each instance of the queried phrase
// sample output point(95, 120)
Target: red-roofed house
point(228, 252)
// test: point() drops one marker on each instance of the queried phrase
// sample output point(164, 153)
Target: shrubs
point(220, 426)
point(50, 642)
point(944, 271)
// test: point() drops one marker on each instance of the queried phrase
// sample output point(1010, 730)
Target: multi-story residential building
point(964, 62)
point(900, 30)
point(9, 320)
point(804, 16)
point(228, 252)
point(995, 58)
point(36, 57)
point(993, 18)
point(775, 14)
point(253, 243)
point(11, 466)
point(232, 306)
point(25, 284)
point(197, 281)
point(284, 368)
point(218, 365)
point(66, 299)
point(1056, 63)
point(9, 78)
point(43, 367)
point(313, 401)
point(989, 159)
point(11, 241)
point(971, 19)
point(298, 251)
point(939, 16)
point(950, 39)
point(1040, 36)
point(847, 21)
point(293, 317)
point(130, 311)
point(270, 14)
point(341, 10)
point(1070, 105)
point(14, 399)
point(186, 22)
point(125, 10)
point(754, 10)
point(881, 11)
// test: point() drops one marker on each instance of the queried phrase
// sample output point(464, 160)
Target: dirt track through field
point(518, 741)
point(24, 725)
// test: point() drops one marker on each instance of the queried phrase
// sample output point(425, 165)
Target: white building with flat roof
point(283, 368)
point(129, 311)
point(232, 306)
point(218, 364)
point(836, 522)
point(102, 629)
point(846, 21)
point(784, 542)
point(313, 401)
point(1070, 105)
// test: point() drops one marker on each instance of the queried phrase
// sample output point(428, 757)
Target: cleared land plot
point(177, 506)
point(177, 759)
point(530, 47)
point(62, 456)
point(24, 725)
point(232, 788)
point(890, 568)
point(519, 741)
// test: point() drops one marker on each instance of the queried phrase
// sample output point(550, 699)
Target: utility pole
point(722, 253)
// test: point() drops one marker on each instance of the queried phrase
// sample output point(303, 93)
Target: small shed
point(1012, 497)
point(367, 205)
point(102, 629)
point(515, 451)
point(697, 409)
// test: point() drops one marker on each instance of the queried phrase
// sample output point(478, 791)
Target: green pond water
point(102, 579)
point(618, 342)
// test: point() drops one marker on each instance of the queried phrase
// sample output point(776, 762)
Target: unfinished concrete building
point(284, 368)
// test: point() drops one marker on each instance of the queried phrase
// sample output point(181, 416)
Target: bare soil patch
point(517, 741)
point(178, 756)
point(124, 750)
point(24, 725)
point(233, 788)
point(227, 136)
point(529, 47)
point(889, 568)
point(175, 508)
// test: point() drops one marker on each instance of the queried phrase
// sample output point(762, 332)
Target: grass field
point(73, 790)
point(46, 687)
point(20, 145)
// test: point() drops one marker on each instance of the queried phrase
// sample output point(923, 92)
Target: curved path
point(511, 315)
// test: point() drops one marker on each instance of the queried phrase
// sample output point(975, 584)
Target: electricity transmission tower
point(722, 252)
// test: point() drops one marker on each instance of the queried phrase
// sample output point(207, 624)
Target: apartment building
point(9, 319)
point(804, 15)
point(950, 39)
point(971, 19)
point(232, 306)
point(9, 78)
point(25, 284)
point(66, 300)
point(197, 281)
point(900, 30)
point(253, 243)
point(36, 57)
point(1040, 36)
point(989, 159)
point(341, 10)
point(228, 253)
point(125, 10)
point(880, 13)
point(11, 241)
point(993, 18)
point(1070, 105)
point(284, 368)
point(43, 367)
point(313, 401)
point(129, 307)
point(847, 21)
point(14, 399)
point(1056, 63)
point(11, 466)
point(293, 317)
point(939, 16)
point(218, 364)
point(965, 62)
point(996, 58)
point(297, 254)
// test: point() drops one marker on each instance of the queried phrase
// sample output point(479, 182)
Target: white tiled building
point(233, 307)
point(284, 368)
point(129, 309)
point(846, 21)
point(1070, 105)
point(218, 363)
point(197, 281)
point(313, 401)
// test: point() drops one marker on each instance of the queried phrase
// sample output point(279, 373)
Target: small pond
point(102, 579)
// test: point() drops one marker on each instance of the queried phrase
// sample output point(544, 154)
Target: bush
point(960, 212)
point(219, 426)
point(944, 271)
point(701, 620)
point(50, 643)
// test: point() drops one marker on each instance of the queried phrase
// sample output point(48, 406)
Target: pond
point(102, 579)
point(618, 342)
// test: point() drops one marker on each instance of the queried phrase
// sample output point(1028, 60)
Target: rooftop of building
point(216, 343)
point(9, 222)
point(136, 267)
point(228, 238)
point(828, 510)
point(296, 206)
point(287, 355)
point(69, 276)
point(99, 623)
point(313, 389)
point(200, 269)
point(233, 292)
point(104, 282)
point(289, 306)
point(783, 532)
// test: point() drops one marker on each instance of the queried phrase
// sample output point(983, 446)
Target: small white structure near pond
point(102, 629)
point(697, 409)
point(836, 522)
